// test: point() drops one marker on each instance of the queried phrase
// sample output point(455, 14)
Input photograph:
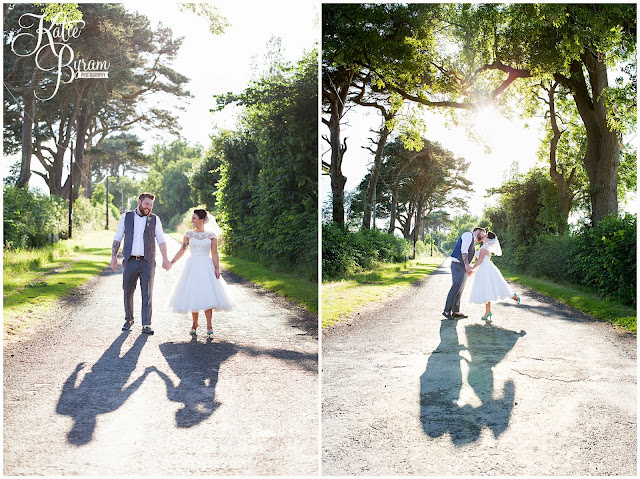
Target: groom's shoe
point(447, 315)
point(127, 325)
point(459, 315)
point(147, 330)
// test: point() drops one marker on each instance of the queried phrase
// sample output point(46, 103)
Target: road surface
point(543, 390)
point(83, 398)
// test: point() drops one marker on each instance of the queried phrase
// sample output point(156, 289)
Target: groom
point(461, 258)
point(140, 230)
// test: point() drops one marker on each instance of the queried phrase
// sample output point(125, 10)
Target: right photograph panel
point(479, 211)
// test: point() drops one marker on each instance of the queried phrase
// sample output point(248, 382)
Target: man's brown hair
point(146, 195)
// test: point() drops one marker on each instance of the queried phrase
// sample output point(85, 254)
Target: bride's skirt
point(488, 284)
point(198, 289)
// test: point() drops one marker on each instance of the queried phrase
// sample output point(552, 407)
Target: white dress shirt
point(139, 223)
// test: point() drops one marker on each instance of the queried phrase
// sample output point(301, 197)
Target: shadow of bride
point(197, 365)
point(102, 389)
point(441, 383)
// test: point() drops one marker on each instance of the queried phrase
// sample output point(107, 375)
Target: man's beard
point(144, 211)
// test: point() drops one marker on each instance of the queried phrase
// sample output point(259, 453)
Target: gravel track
point(543, 390)
point(82, 398)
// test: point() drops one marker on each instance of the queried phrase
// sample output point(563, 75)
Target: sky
point(510, 141)
point(220, 63)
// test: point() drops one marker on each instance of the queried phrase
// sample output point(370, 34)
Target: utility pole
point(107, 200)
point(71, 195)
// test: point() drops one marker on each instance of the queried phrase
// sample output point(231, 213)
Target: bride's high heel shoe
point(517, 298)
point(487, 318)
point(193, 332)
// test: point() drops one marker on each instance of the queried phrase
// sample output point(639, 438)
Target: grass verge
point(341, 298)
point(295, 289)
point(580, 298)
point(44, 275)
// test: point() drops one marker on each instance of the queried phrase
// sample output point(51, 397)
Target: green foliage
point(459, 224)
point(345, 252)
point(30, 216)
point(169, 181)
point(601, 257)
point(206, 175)
point(217, 23)
point(605, 257)
point(267, 192)
point(529, 205)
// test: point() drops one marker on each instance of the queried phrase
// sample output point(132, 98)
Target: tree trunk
point(602, 156)
point(565, 197)
point(82, 162)
point(336, 96)
point(392, 210)
point(28, 116)
point(338, 180)
point(375, 172)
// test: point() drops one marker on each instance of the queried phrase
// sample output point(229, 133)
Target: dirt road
point(81, 397)
point(543, 390)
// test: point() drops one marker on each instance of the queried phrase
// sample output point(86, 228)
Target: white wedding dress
point(197, 288)
point(488, 283)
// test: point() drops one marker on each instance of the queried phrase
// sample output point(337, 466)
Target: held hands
point(166, 264)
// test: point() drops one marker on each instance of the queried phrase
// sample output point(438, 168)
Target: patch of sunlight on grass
point(343, 298)
point(70, 264)
point(580, 298)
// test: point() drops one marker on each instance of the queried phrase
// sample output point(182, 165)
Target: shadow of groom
point(441, 383)
point(101, 390)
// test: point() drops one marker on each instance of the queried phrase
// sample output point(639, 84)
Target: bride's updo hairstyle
point(491, 235)
point(202, 214)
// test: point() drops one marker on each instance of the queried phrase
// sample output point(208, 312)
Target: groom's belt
point(136, 257)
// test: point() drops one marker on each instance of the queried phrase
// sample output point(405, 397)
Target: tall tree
point(267, 196)
point(22, 78)
point(366, 41)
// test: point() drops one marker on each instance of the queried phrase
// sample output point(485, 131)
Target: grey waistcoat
point(149, 236)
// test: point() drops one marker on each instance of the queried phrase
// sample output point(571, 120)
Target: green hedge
point(602, 257)
point(344, 252)
point(605, 258)
point(30, 216)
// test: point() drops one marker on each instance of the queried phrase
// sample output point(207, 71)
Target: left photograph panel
point(160, 238)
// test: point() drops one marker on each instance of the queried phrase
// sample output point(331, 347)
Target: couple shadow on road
point(106, 386)
point(442, 383)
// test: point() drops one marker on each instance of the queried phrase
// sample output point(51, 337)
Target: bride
point(200, 286)
point(489, 285)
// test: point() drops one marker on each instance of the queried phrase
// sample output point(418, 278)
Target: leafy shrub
point(344, 252)
point(605, 257)
point(86, 216)
point(338, 254)
point(29, 216)
point(602, 257)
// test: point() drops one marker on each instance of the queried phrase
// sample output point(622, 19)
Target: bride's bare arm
point(183, 248)
point(214, 255)
point(481, 255)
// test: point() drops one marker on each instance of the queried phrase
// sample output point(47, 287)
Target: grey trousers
point(135, 269)
point(459, 278)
